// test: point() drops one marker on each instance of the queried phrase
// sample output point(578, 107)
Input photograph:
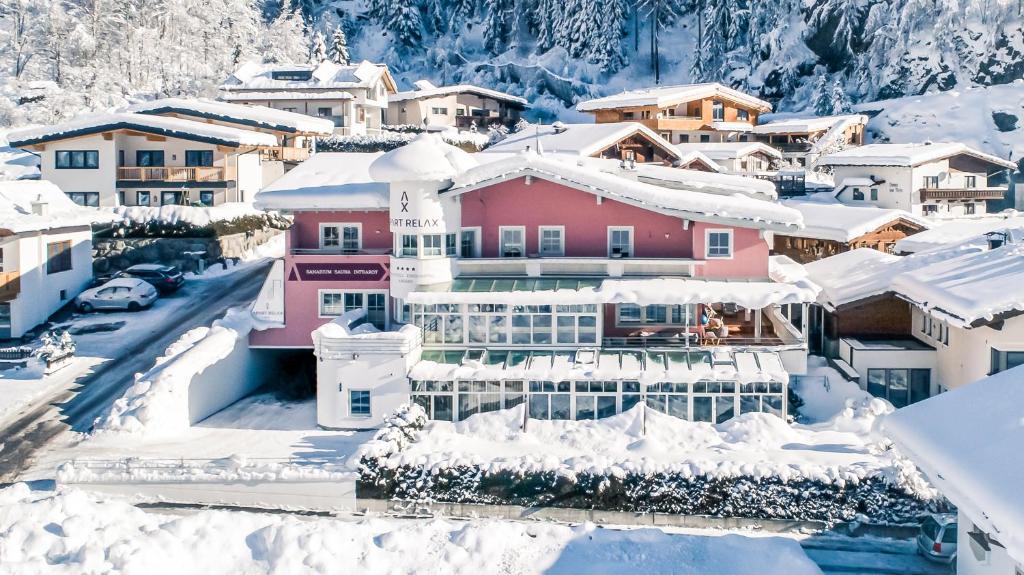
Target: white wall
point(383, 375)
point(894, 193)
point(967, 357)
point(82, 180)
point(228, 380)
point(863, 358)
point(249, 180)
point(40, 293)
point(972, 560)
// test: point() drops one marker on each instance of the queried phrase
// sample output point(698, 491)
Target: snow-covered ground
point(75, 532)
point(17, 164)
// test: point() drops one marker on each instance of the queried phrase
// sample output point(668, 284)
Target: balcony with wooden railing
point(171, 174)
point(10, 285)
point(283, 154)
point(989, 193)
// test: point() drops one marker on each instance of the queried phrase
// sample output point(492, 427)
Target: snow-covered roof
point(577, 139)
point(807, 125)
point(944, 233)
point(16, 215)
point(732, 126)
point(691, 180)
point(736, 210)
point(253, 116)
point(325, 76)
point(685, 159)
point(159, 125)
point(350, 330)
point(424, 89)
point(285, 95)
point(664, 96)
point(968, 442)
point(729, 150)
point(909, 155)
point(426, 157)
point(327, 181)
point(832, 220)
point(964, 284)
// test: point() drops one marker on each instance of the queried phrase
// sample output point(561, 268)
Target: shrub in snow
point(389, 140)
point(188, 222)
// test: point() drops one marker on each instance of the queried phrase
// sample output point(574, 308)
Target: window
point(287, 109)
point(531, 324)
point(874, 194)
point(1004, 360)
point(719, 244)
point(620, 242)
point(292, 75)
point(149, 158)
point(743, 115)
point(858, 195)
point(77, 160)
point(468, 244)
point(628, 115)
point(323, 112)
point(331, 304)
point(432, 245)
point(206, 197)
point(633, 314)
point(439, 111)
point(173, 198)
point(410, 246)
point(450, 245)
point(359, 403)
point(969, 208)
point(5, 315)
point(196, 158)
point(684, 138)
point(929, 209)
point(970, 181)
point(512, 242)
point(376, 310)
point(88, 199)
point(717, 111)
point(645, 114)
point(347, 237)
point(58, 257)
point(142, 198)
point(120, 198)
point(552, 241)
point(900, 386)
point(705, 138)
point(931, 181)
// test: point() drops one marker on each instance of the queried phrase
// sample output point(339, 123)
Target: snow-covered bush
point(389, 140)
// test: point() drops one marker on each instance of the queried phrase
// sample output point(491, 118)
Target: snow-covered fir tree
point(318, 49)
point(339, 46)
point(285, 40)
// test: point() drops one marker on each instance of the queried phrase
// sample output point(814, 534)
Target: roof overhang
point(123, 125)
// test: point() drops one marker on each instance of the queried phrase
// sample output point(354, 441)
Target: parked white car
point(131, 294)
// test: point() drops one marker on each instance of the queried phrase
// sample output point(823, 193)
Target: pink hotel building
point(569, 285)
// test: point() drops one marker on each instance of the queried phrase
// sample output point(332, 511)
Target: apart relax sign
point(339, 272)
point(417, 211)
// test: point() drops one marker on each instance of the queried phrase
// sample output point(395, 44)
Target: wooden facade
point(883, 239)
point(640, 148)
point(682, 116)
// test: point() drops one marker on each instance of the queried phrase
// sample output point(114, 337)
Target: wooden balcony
point(684, 123)
point(172, 174)
point(10, 286)
point(929, 194)
point(284, 154)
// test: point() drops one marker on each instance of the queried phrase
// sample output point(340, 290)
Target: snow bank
point(427, 157)
point(18, 199)
point(196, 216)
point(74, 532)
point(158, 403)
point(832, 220)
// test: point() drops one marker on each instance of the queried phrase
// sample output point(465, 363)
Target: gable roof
point(729, 150)
point(808, 125)
point(327, 181)
point(324, 76)
point(967, 441)
point(949, 232)
point(687, 158)
point(578, 139)
point(835, 221)
point(425, 89)
point(17, 197)
point(907, 155)
point(251, 116)
point(158, 125)
point(588, 176)
point(664, 96)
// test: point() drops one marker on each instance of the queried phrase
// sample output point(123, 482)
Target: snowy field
point(75, 532)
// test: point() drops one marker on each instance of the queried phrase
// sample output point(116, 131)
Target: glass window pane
point(605, 406)
point(584, 407)
point(702, 409)
point(629, 400)
point(560, 406)
point(677, 406)
point(876, 382)
point(920, 384)
point(898, 387)
point(538, 405)
point(725, 408)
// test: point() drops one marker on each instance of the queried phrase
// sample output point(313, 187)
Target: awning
point(645, 366)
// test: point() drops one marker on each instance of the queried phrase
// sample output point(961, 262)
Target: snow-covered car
point(131, 294)
point(166, 279)
point(937, 538)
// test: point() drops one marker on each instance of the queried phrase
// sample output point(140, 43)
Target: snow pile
point(350, 325)
point(75, 532)
point(20, 200)
point(577, 139)
point(157, 404)
point(17, 164)
point(427, 157)
point(826, 393)
point(327, 180)
point(246, 115)
point(235, 468)
point(828, 219)
point(968, 441)
point(194, 215)
point(947, 233)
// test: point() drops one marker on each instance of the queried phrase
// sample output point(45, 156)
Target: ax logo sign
point(405, 202)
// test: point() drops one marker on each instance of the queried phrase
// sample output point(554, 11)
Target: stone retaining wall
point(114, 254)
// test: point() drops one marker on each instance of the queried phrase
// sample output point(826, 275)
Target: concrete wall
point(40, 292)
point(235, 376)
point(113, 254)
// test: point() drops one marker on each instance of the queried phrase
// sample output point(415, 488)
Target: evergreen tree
point(498, 16)
point(339, 46)
point(318, 49)
point(285, 38)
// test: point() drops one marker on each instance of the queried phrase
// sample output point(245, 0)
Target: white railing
point(607, 267)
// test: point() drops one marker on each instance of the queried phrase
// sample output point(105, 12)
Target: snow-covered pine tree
point(339, 46)
point(840, 100)
point(605, 43)
point(284, 40)
point(498, 17)
point(318, 49)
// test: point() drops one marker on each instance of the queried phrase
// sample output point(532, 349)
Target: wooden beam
point(152, 138)
point(108, 136)
point(38, 147)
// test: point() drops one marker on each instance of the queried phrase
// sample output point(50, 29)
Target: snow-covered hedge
point(389, 140)
point(191, 221)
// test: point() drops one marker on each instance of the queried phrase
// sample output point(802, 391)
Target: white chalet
point(621, 141)
point(461, 106)
point(804, 140)
point(45, 253)
point(968, 443)
point(930, 179)
point(354, 97)
point(747, 158)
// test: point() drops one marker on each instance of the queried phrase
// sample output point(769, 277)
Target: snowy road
point(128, 351)
point(869, 556)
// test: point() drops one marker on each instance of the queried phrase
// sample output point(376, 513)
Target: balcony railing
point(284, 154)
point(482, 121)
point(791, 147)
point(340, 252)
point(10, 285)
point(661, 341)
point(592, 266)
point(172, 174)
point(962, 194)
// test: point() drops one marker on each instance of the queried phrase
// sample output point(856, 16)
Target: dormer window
point(292, 75)
point(718, 111)
point(743, 115)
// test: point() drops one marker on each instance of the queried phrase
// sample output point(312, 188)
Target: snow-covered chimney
point(559, 127)
point(40, 207)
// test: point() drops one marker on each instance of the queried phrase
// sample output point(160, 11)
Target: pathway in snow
point(869, 556)
point(129, 350)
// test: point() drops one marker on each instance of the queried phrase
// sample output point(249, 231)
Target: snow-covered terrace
point(968, 442)
point(831, 220)
point(327, 181)
point(254, 116)
point(907, 155)
point(957, 231)
point(158, 125)
point(664, 96)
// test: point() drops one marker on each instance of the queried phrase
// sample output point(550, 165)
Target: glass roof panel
point(461, 284)
point(517, 358)
point(496, 357)
point(503, 285)
point(482, 285)
point(432, 355)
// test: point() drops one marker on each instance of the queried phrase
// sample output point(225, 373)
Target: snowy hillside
point(58, 57)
